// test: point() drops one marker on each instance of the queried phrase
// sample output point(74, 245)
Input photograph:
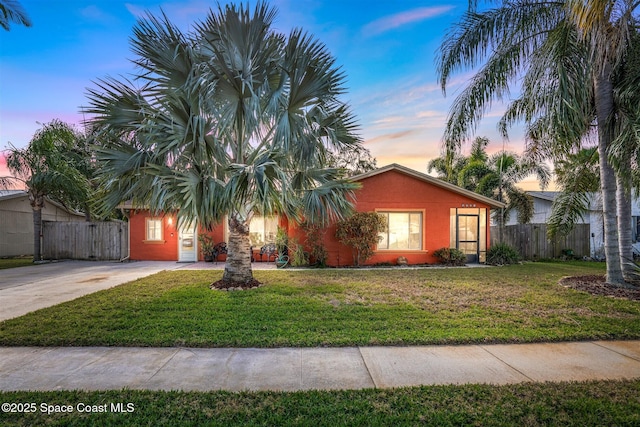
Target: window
point(154, 229)
point(262, 230)
point(404, 231)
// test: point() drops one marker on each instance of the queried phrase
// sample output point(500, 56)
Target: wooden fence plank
point(532, 242)
point(103, 241)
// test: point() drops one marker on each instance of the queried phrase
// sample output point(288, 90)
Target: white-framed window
point(154, 229)
point(404, 231)
point(262, 230)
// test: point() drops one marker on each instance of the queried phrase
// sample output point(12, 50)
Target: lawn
point(529, 404)
point(332, 307)
point(14, 262)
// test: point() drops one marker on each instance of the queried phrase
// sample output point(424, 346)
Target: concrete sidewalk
point(289, 369)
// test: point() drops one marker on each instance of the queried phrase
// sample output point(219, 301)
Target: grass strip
point(530, 404)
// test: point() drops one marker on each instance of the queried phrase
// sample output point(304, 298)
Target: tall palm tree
point(567, 52)
point(48, 167)
point(12, 11)
point(230, 120)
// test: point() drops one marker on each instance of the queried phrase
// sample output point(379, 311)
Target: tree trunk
point(238, 265)
point(604, 109)
point(37, 231)
point(623, 196)
point(37, 203)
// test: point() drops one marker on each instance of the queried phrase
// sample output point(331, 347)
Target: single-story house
point(542, 207)
point(423, 214)
point(16, 221)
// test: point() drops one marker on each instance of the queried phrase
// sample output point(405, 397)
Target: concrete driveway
point(26, 289)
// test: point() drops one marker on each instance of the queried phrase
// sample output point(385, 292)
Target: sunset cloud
point(387, 23)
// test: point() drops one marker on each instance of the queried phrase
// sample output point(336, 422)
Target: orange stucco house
point(423, 214)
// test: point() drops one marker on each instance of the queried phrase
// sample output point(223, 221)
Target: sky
point(387, 49)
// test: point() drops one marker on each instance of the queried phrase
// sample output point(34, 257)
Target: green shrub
point(361, 231)
point(315, 240)
point(298, 256)
point(502, 254)
point(450, 256)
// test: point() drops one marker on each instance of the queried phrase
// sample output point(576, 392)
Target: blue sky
point(387, 49)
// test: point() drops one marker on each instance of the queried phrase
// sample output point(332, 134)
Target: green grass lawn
point(334, 308)
point(331, 307)
point(14, 262)
point(601, 403)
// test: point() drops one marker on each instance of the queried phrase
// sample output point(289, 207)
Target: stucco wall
point(394, 190)
point(388, 191)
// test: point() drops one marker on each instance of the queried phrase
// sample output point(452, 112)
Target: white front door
point(187, 244)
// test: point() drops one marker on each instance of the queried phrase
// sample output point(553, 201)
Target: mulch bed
point(596, 285)
point(228, 285)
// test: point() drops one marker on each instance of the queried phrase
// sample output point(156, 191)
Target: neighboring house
point(424, 214)
point(542, 207)
point(16, 221)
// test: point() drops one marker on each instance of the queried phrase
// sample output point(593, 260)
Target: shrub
point(450, 256)
point(361, 232)
point(502, 254)
point(298, 255)
point(314, 240)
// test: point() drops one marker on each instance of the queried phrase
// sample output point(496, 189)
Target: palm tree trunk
point(623, 198)
point(238, 266)
point(604, 108)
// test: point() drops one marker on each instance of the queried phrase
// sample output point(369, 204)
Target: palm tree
point(232, 119)
point(567, 52)
point(494, 176)
point(577, 177)
point(12, 11)
point(48, 167)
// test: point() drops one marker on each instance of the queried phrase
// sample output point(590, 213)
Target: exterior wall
point(16, 224)
point(397, 191)
point(167, 248)
point(388, 191)
point(141, 249)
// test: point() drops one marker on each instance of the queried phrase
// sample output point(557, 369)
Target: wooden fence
point(532, 242)
point(102, 241)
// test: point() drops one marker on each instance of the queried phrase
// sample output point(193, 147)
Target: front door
point(468, 231)
point(187, 250)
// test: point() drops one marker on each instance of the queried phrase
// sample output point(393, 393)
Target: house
point(16, 221)
point(542, 207)
point(423, 213)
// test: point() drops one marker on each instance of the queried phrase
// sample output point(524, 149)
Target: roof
point(544, 195)
point(14, 194)
point(11, 194)
point(433, 181)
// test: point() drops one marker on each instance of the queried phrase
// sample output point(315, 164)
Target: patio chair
point(219, 249)
point(269, 250)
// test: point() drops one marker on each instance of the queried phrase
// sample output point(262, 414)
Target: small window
point(154, 229)
point(404, 231)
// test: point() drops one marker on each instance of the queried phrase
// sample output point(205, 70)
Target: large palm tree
point(12, 11)
point(230, 120)
point(49, 167)
point(567, 52)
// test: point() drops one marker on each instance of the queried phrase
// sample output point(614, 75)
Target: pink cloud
point(394, 21)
